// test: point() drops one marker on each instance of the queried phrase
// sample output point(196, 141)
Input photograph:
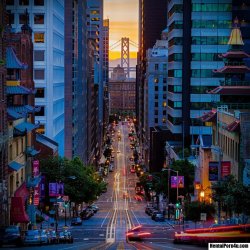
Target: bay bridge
point(124, 43)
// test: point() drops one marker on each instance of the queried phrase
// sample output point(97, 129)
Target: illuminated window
point(164, 104)
point(39, 37)
point(94, 12)
point(163, 120)
point(95, 19)
point(41, 129)
point(156, 80)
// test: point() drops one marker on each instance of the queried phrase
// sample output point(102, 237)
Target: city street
point(119, 212)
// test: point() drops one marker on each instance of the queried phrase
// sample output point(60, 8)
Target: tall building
point(152, 20)
point(95, 31)
point(46, 18)
point(155, 91)
point(198, 32)
point(3, 122)
point(76, 80)
point(106, 108)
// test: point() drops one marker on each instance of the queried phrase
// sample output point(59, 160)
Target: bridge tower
point(125, 54)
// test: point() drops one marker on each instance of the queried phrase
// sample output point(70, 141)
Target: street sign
point(203, 216)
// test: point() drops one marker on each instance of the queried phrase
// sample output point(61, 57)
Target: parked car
point(65, 237)
point(11, 235)
point(94, 207)
point(53, 237)
point(86, 213)
point(76, 221)
point(36, 237)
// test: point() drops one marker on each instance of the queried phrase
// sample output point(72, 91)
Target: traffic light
point(177, 205)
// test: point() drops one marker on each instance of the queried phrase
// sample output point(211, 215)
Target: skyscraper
point(76, 80)
point(198, 32)
point(46, 18)
point(152, 20)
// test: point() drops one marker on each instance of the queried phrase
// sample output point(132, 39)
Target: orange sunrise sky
point(123, 22)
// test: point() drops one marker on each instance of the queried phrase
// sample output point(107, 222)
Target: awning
point(12, 62)
point(234, 126)
point(33, 181)
point(15, 165)
point(31, 151)
point(18, 90)
point(25, 127)
point(209, 116)
point(17, 211)
point(22, 191)
point(25, 109)
point(14, 115)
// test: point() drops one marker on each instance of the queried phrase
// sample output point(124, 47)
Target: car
point(65, 237)
point(137, 233)
point(94, 207)
point(11, 235)
point(35, 237)
point(76, 221)
point(53, 237)
point(159, 217)
point(86, 213)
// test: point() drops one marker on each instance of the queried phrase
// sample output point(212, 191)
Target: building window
point(38, 2)
point(164, 66)
point(164, 104)
point(156, 66)
point(39, 19)
point(94, 12)
point(39, 37)
point(39, 74)
point(164, 88)
point(39, 55)
point(156, 97)
point(164, 112)
point(156, 79)
point(11, 18)
point(9, 2)
point(156, 120)
point(41, 112)
point(156, 88)
point(41, 129)
point(156, 104)
point(164, 80)
point(23, 2)
point(39, 93)
point(22, 18)
point(156, 112)
point(163, 120)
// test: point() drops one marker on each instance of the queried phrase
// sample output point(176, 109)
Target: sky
point(123, 22)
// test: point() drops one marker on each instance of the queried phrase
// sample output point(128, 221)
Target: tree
point(195, 208)
point(79, 181)
point(234, 196)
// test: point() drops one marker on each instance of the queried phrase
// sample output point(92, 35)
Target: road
point(107, 228)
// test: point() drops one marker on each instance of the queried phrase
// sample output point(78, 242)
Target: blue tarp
point(25, 127)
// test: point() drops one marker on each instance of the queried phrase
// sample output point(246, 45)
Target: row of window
point(164, 66)
point(26, 2)
point(156, 80)
point(38, 18)
point(201, 40)
point(215, 7)
point(177, 57)
point(211, 24)
point(164, 104)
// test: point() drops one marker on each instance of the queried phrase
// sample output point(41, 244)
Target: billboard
point(177, 181)
point(56, 189)
point(225, 168)
point(213, 170)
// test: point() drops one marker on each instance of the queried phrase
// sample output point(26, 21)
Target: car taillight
point(130, 233)
point(143, 234)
